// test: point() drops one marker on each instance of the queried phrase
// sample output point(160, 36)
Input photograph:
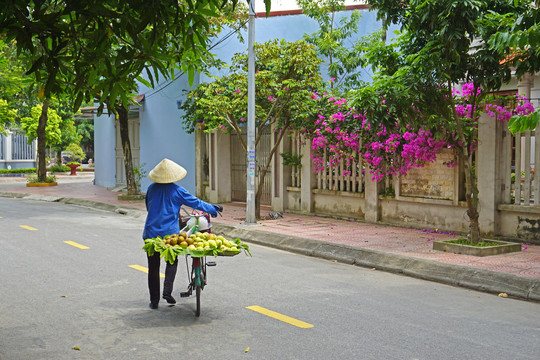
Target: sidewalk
point(400, 250)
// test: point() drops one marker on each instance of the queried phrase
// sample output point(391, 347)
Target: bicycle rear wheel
point(198, 293)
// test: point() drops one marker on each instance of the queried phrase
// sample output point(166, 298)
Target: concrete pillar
point(8, 154)
point(199, 161)
point(307, 204)
point(490, 177)
point(524, 88)
point(371, 196)
point(524, 85)
point(220, 168)
point(280, 174)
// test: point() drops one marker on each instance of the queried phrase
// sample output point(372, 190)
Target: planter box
point(41, 184)
point(503, 248)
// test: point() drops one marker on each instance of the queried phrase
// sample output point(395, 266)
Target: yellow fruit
point(212, 243)
point(183, 243)
point(192, 247)
point(189, 241)
point(174, 241)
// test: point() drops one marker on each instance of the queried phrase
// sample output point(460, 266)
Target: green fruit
point(191, 247)
point(212, 243)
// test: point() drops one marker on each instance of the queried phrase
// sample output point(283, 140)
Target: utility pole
point(250, 193)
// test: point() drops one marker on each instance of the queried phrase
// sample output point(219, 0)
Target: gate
point(239, 168)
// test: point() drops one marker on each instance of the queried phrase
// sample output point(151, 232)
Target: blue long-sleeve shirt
point(163, 202)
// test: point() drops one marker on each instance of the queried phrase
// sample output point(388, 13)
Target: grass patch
point(463, 241)
point(35, 180)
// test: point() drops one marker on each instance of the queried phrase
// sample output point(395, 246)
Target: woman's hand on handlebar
point(219, 209)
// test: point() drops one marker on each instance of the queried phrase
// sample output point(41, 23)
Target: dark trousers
point(153, 277)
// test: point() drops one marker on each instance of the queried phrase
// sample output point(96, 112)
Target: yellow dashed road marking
point(73, 243)
point(281, 317)
point(143, 269)
point(28, 227)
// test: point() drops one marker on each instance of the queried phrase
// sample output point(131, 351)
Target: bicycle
point(197, 279)
point(197, 275)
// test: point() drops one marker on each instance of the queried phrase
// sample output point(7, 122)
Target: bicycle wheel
point(198, 293)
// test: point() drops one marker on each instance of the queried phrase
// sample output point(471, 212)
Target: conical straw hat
point(167, 171)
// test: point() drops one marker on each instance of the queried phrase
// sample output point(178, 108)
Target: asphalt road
point(63, 302)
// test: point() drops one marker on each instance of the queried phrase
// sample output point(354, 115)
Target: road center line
point(73, 243)
point(281, 317)
point(143, 269)
point(28, 227)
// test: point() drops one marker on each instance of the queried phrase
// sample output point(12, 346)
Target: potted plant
point(73, 165)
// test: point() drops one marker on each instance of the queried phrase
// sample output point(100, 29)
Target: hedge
point(18, 171)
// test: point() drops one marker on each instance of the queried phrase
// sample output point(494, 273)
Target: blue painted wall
point(162, 135)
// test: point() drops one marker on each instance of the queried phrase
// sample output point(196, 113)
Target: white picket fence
point(520, 153)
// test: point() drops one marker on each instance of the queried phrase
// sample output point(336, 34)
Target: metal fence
point(20, 149)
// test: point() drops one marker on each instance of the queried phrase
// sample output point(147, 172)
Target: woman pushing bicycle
point(163, 201)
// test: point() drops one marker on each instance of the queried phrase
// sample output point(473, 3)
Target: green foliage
point(521, 123)
point(333, 40)
point(285, 74)
point(53, 133)
point(292, 159)
point(140, 173)
point(35, 179)
point(7, 115)
point(99, 47)
point(517, 36)
point(59, 168)
point(76, 152)
point(18, 171)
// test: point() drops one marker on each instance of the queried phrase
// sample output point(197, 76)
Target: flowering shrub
point(520, 115)
point(340, 133)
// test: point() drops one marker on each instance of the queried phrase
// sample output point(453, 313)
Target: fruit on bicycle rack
point(196, 245)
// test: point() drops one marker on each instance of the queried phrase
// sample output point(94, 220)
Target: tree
point(30, 125)
point(7, 115)
point(96, 48)
point(286, 72)
point(445, 44)
point(10, 85)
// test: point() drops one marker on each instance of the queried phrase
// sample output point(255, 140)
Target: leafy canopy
point(286, 72)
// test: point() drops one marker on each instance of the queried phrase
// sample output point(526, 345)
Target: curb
point(477, 279)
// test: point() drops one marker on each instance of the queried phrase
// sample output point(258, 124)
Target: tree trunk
point(126, 147)
point(471, 195)
point(41, 143)
point(262, 175)
point(59, 157)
